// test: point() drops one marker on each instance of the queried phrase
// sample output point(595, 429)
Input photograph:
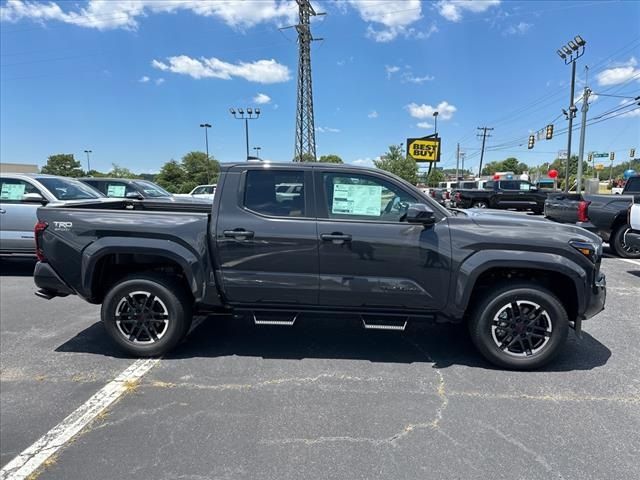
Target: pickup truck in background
point(502, 194)
point(350, 242)
point(605, 215)
point(137, 189)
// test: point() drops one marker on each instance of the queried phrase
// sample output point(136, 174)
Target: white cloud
point(364, 162)
point(391, 69)
point(260, 71)
point(453, 9)
point(390, 17)
point(144, 79)
point(632, 113)
point(373, 114)
point(262, 99)
point(105, 15)
point(519, 29)
point(423, 111)
point(411, 78)
point(159, 81)
point(424, 125)
point(619, 74)
point(327, 130)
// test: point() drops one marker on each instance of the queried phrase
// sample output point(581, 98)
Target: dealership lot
point(321, 400)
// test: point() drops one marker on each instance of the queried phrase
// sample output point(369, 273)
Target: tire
point(154, 312)
point(480, 204)
point(617, 243)
point(541, 338)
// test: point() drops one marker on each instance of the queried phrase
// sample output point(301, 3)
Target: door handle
point(336, 238)
point(238, 233)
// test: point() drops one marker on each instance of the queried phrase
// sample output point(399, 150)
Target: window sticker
point(12, 191)
point(357, 200)
point(116, 191)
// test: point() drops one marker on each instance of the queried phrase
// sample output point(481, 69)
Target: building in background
point(18, 167)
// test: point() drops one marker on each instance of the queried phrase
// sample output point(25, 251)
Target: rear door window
point(275, 193)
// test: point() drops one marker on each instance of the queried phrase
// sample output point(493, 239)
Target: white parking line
point(34, 456)
point(628, 260)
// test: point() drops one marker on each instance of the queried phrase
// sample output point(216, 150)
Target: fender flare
point(187, 260)
point(471, 268)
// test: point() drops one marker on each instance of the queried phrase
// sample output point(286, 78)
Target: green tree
point(96, 174)
point(305, 157)
point(63, 164)
point(436, 176)
point(330, 159)
point(171, 176)
point(510, 164)
point(395, 162)
point(120, 172)
point(199, 170)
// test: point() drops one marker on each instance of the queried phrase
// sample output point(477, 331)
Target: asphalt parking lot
point(320, 400)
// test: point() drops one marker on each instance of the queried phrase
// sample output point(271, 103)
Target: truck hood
point(529, 225)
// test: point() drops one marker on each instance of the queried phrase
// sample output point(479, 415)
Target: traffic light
point(549, 134)
point(632, 153)
point(532, 141)
point(612, 156)
point(590, 157)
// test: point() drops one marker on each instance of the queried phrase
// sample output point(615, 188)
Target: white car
point(201, 191)
point(632, 237)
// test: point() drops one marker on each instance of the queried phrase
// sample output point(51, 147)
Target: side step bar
point(273, 320)
point(379, 323)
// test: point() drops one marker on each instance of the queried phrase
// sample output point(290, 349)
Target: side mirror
point(134, 196)
point(33, 198)
point(421, 214)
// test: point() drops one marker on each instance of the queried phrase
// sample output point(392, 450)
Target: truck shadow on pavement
point(17, 267)
point(441, 345)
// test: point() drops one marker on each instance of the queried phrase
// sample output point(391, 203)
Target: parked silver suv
point(20, 196)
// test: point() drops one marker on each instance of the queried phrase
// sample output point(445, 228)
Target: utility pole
point(305, 142)
point(457, 160)
point(88, 160)
point(484, 135)
point(585, 109)
point(462, 155)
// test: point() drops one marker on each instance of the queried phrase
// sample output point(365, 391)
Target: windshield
point(68, 189)
point(151, 189)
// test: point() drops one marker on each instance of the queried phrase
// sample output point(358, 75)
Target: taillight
point(583, 211)
point(447, 196)
point(432, 193)
point(37, 230)
point(458, 196)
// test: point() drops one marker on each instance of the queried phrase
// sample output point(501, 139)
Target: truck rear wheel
point(480, 204)
point(618, 244)
point(147, 315)
point(520, 327)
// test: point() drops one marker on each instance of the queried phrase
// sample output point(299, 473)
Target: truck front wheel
point(519, 326)
point(147, 315)
point(620, 246)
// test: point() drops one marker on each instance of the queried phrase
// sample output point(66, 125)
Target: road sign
point(599, 166)
point(562, 155)
point(425, 149)
point(600, 155)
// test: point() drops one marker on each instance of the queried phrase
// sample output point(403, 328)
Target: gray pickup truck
point(604, 215)
point(350, 242)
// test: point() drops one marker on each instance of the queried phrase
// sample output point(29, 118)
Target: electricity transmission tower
point(305, 146)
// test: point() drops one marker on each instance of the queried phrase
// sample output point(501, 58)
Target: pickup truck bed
point(604, 215)
point(351, 241)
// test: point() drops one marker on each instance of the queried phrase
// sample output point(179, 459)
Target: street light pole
point(88, 160)
point(435, 125)
point(206, 127)
point(249, 114)
point(570, 52)
point(257, 149)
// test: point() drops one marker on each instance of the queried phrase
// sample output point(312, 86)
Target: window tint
point(509, 185)
point(275, 193)
point(12, 190)
point(362, 197)
point(150, 189)
point(488, 185)
point(68, 189)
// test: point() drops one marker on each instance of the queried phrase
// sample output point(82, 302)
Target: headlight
point(590, 250)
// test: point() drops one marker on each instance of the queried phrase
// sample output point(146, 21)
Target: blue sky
point(132, 81)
